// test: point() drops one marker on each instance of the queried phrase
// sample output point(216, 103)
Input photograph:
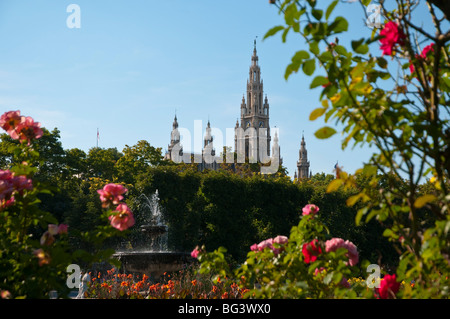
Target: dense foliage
point(400, 107)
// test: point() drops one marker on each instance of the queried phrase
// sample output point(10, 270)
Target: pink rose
point(62, 229)
point(336, 243)
point(9, 121)
point(111, 193)
point(9, 185)
point(310, 209)
point(281, 240)
point(6, 185)
point(28, 129)
point(268, 243)
point(123, 217)
point(195, 252)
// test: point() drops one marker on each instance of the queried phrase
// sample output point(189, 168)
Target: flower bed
point(184, 284)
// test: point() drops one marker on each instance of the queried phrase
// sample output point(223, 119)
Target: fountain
point(151, 256)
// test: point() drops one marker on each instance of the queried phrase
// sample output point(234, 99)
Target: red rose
point(311, 250)
point(388, 287)
point(392, 35)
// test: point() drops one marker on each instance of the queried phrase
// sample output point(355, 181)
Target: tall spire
point(303, 163)
point(175, 122)
point(254, 56)
point(254, 112)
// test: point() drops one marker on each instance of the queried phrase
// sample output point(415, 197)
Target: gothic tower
point(254, 115)
point(303, 163)
point(174, 141)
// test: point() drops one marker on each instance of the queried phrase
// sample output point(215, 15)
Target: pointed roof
point(254, 56)
point(175, 122)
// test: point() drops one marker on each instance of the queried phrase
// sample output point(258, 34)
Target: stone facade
point(252, 136)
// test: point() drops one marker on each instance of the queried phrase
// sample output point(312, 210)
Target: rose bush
point(34, 245)
point(402, 115)
point(307, 264)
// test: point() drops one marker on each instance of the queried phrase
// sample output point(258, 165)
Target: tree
point(136, 160)
point(101, 162)
point(400, 107)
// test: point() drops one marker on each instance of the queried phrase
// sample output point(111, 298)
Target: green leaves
point(325, 132)
point(330, 9)
point(334, 185)
point(301, 59)
point(339, 25)
point(273, 31)
point(423, 200)
point(317, 113)
point(309, 66)
point(318, 80)
point(360, 47)
point(297, 61)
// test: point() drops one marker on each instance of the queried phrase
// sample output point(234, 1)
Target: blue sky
point(132, 64)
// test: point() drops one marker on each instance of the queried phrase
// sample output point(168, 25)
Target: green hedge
point(219, 208)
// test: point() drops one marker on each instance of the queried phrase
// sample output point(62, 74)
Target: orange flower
point(194, 282)
point(144, 277)
point(44, 258)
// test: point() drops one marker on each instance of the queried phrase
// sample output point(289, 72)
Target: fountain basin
point(153, 263)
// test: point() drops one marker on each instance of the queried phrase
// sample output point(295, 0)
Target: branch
point(443, 5)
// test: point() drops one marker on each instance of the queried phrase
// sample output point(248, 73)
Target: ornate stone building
point(252, 136)
point(254, 117)
point(303, 163)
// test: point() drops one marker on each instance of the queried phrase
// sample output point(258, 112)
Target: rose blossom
point(336, 243)
point(310, 209)
point(11, 184)
point(195, 252)
point(391, 35)
point(111, 193)
point(423, 55)
point(268, 243)
point(280, 240)
point(6, 184)
point(427, 49)
point(311, 250)
point(62, 229)
point(28, 129)
point(9, 121)
point(123, 217)
point(388, 287)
